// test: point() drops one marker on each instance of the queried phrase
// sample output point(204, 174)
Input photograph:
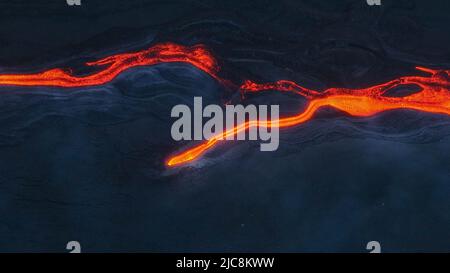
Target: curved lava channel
point(433, 97)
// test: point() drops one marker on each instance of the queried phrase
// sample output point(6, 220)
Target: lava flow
point(433, 97)
point(197, 56)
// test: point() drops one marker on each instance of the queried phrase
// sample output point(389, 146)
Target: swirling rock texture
point(83, 150)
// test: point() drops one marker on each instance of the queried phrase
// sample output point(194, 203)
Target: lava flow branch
point(433, 96)
point(112, 66)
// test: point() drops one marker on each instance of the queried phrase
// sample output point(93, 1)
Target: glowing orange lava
point(433, 97)
point(197, 56)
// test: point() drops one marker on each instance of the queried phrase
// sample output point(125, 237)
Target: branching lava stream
point(433, 96)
